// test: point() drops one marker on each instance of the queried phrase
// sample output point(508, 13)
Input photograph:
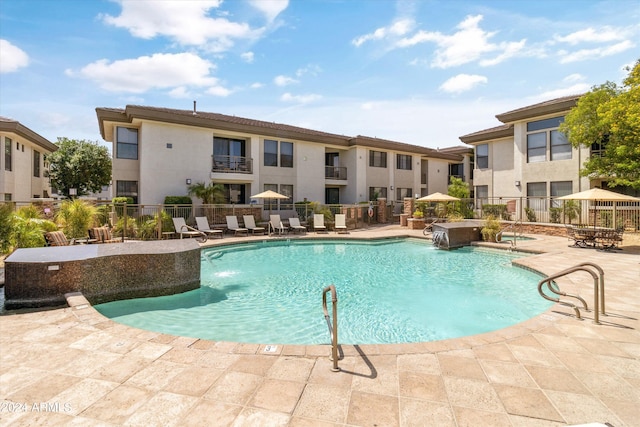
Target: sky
point(418, 72)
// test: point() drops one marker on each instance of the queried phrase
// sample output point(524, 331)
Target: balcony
point(335, 172)
point(232, 164)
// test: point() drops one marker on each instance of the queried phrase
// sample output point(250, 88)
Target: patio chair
point(295, 225)
point(276, 224)
point(184, 230)
point(318, 223)
point(341, 223)
point(232, 224)
point(57, 238)
point(250, 223)
point(202, 223)
point(102, 235)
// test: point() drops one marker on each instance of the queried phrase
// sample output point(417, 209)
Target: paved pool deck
point(72, 366)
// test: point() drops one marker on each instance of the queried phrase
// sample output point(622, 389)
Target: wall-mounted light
point(188, 181)
point(517, 183)
point(392, 187)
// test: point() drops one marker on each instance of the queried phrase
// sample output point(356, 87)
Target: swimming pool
point(391, 291)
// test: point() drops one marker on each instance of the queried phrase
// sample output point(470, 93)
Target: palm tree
point(209, 193)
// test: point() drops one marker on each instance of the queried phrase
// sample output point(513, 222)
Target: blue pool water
point(389, 291)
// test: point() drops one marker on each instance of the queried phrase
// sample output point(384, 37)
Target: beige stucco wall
point(19, 181)
point(438, 176)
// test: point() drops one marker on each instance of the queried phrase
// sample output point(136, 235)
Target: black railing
point(335, 172)
point(232, 164)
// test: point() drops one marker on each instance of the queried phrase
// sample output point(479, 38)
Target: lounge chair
point(341, 223)
point(276, 224)
point(102, 235)
point(295, 225)
point(250, 224)
point(202, 223)
point(318, 222)
point(184, 230)
point(232, 224)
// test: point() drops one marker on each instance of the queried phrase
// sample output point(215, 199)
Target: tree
point(209, 193)
point(609, 115)
point(79, 164)
point(460, 189)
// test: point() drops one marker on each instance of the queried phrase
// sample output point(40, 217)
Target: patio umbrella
point(600, 195)
point(438, 197)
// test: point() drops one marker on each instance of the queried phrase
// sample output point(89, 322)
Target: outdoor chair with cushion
point(276, 224)
point(101, 235)
point(341, 223)
point(57, 238)
point(250, 224)
point(232, 224)
point(318, 223)
point(184, 230)
point(202, 223)
point(295, 225)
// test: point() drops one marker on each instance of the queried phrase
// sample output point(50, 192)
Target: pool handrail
point(333, 328)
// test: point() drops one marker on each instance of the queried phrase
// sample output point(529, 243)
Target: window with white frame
point(126, 143)
point(403, 161)
point(377, 159)
point(482, 156)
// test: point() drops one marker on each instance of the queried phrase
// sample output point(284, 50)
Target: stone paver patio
point(72, 366)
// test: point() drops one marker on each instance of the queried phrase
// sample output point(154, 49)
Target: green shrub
point(6, 227)
point(175, 211)
point(496, 211)
point(76, 217)
point(531, 214)
point(555, 215)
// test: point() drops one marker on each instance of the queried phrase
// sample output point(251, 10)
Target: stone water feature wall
point(39, 277)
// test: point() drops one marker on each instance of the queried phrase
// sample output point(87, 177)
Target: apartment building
point(23, 167)
point(526, 156)
point(159, 152)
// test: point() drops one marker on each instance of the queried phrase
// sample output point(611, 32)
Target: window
point(36, 164)
point(270, 204)
point(234, 193)
point(482, 195)
point(457, 170)
point(559, 189)
point(537, 147)
point(127, 143)
point(377, 192)
point(286, 154)
point(403, 161)
point(127, 189)
point(286, 190)
point(542, 131)
point(598, 148)
point(482, 156)
point(228, 153)
point(560, 146)
point(270, 153)
point(7, 197)
point(402, 193)
point(537, 195)
point(377, 159)
point(8, 151)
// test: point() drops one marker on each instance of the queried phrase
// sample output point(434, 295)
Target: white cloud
point(12, 58)
point(187, 22)
point(396, 29)
point(256, 85)
point(311, 69)
point(462, 83)
point(301, 99)
point(572, 78)
point(219, 91)
point(575, 89)
point(247, 57)
point(270, 8)
point(159, 71)
point(284, 80)
point(602, 35)
point(466, 45)
point(595, 53)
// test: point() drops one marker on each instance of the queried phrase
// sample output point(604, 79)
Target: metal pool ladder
point(598, 289)
point(333, 326)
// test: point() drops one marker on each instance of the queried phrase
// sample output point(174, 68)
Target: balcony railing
point(232, 164)
point(335, 172)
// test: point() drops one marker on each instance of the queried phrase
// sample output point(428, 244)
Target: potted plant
point(418, 214)
point(491, 229)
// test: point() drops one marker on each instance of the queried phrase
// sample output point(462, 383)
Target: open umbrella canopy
point(598, 194)
point(269, 195)
point(438, 197)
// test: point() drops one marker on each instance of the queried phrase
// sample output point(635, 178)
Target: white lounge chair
point(184, 230)
point(250, 224)
point(276, 224)
point(203, 225)
point(318, 222)
point(295, 225)
point(232, 224)
point(341, 223)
